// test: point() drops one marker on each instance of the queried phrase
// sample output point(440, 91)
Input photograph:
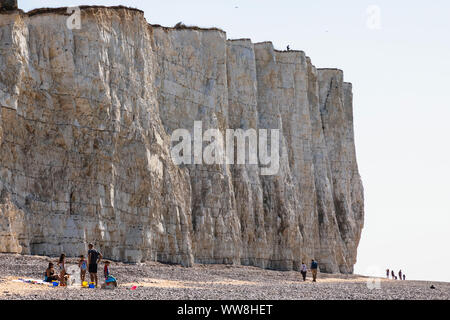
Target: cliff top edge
point(178, 26)
point(63, 11)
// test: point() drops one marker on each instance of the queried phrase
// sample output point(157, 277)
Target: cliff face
point(85, 125)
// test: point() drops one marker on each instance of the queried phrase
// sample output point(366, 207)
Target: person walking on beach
point(400, 275)
point(387, 273)
point(303, 271)
point(314, 269)
point(94, 258)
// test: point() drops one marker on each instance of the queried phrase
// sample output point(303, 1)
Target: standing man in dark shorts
point(314, 269)
point(94, 258)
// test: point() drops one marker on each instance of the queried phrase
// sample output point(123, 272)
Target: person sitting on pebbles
point(109, 279)
point(50, 273)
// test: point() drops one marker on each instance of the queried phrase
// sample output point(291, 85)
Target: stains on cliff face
point(3, 196)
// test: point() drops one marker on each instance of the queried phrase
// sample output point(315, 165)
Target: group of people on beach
point(391, 273)
point(313, 268)
point(90, 265)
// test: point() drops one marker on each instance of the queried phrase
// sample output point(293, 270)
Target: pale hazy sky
point(401, 78)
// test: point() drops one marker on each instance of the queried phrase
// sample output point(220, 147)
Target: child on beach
point(62, 269)
point(109, 279)
point(82, 263)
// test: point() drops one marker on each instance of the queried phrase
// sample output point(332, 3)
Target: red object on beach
point(133, 288)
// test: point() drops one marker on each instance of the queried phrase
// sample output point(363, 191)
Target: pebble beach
point(157, 281)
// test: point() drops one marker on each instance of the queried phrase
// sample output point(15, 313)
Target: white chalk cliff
point(86, 118)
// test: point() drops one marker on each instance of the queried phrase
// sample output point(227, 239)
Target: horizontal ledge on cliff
point(240, 39)
point(10, 11)
point(330, 69)
point(263, 43)
point(186, 27)
point(63, 10)
point(286, 51)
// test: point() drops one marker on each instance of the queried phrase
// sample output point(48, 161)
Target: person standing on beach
point(393, 275)
point(400, 275)
point(314, 269)
point(404, 277)
point(62, 269)
point(303, 271)
point(94, 258)
point(82, 264)
point(387, 273)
